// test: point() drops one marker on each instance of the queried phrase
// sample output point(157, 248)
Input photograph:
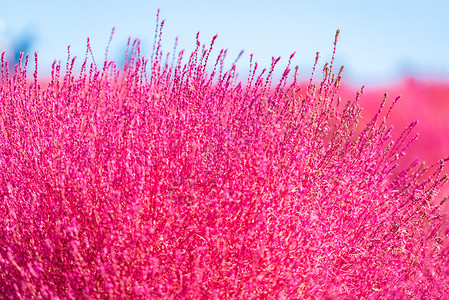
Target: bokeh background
point(380, 40)
point(400, 47)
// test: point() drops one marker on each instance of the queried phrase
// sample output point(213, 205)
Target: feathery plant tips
point(162, 181)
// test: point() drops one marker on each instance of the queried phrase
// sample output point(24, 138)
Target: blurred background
point(400, 47)
point(380, 41)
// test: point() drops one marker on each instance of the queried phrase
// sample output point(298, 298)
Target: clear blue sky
point(379, 40)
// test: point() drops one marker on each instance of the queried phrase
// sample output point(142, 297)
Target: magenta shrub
point(154, 181)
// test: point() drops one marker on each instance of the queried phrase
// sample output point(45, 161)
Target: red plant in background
point(179, 183)
point(423, 100)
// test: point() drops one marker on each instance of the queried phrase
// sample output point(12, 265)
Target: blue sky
point(379, 41)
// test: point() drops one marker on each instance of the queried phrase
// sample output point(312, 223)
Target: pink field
point(424, 100)
point(160, 182)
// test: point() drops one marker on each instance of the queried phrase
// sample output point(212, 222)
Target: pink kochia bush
point(426, 100)
point(162, 181)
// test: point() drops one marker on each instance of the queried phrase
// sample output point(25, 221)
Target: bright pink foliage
point(424, 100)
point(179, 183)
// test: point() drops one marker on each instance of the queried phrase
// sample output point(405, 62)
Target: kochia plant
point(154, 181)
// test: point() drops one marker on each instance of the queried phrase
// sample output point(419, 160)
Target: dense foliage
point(162, 181)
